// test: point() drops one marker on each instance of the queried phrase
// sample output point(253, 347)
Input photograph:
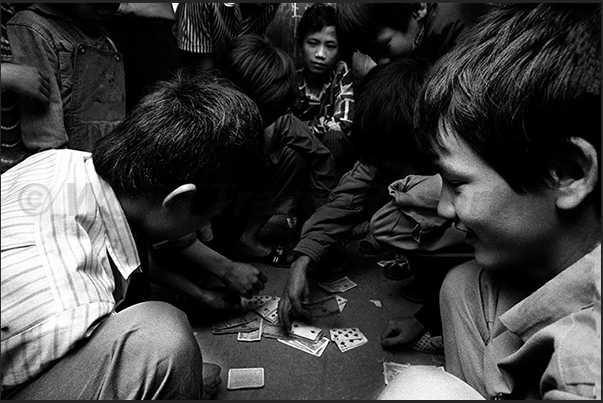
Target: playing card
point(341, 285)
point(275, 332)
point(245, 378)
point(348, 344)
point(245, 327)
point(324, 307)
point(300, 329)
point(348, 333)
point(392, 369)
point(315, 349)
point(255, 335)
point(234, 320)
point(269, 310)
point(341, 302)
point(254, 302)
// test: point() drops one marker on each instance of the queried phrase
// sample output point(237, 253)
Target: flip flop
point(277, 257)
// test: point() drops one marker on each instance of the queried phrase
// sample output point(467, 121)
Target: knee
point(164, 331)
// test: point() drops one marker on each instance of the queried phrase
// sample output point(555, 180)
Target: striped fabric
point(209, 27)
point(63, 235)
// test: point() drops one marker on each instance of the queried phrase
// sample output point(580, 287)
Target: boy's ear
point(421, 13)
point(178, 194)
point(577, 175)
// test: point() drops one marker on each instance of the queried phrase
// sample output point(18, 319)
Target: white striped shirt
point(63, 230)
point(209, 27)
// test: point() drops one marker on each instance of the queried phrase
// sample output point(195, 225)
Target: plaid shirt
point(333, 109)
point(67, 251)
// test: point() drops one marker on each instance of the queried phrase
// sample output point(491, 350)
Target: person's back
point(72, 225)
point(87, 90)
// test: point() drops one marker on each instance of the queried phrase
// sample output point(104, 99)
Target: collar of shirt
point(570, 291)
point(121, 245)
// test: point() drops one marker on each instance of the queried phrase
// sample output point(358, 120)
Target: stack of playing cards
point(325, 307)
point(341, 285)
point(246, 322)
point(347, 338)
point(300, 329)
point(254, 302)
point(254, 335)
point(269, 310)
point(307, 338)
point(315, 348)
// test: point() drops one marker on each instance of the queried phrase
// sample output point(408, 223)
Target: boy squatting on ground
point(72, 225)
point(516, 138)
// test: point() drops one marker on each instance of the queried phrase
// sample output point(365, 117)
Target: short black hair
point(360, 23)
point(383, 125)
point(195, 129)
point(263, 71)
point(524, 80)
point(315, 18)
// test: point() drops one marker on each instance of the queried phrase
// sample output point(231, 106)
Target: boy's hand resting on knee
point(400, 331)
point(211, 379)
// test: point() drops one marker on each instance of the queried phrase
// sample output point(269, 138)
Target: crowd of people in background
point(156, 133)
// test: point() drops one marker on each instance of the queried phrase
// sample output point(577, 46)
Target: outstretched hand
point(296, 291)
point(244, 279)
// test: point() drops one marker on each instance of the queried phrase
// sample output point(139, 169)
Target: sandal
point(277, 257)
point(369, 246)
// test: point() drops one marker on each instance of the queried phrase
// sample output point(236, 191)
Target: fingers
point(211, 379)
point(284, 312)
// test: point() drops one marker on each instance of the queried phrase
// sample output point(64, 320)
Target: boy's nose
point(445, 207)
point(320, 52)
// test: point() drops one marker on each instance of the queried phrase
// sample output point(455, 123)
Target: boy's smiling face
point(506, 229)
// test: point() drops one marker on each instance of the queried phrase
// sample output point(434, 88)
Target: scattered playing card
point(254, 302)
point(347, 338)
point(234, 320)
point(376, 302)
point(315, 348)
point(324, 307)
point(244, 328)
point(392, 369)
point(349, 333)
point(245, 378)
point(341, 285)
point(255, 335)
point(269, 310)
point(300, 329)
point(341, 302)
point(348, 344)
point(275, 332)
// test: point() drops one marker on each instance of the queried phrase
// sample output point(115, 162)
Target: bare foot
point(211, 379)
